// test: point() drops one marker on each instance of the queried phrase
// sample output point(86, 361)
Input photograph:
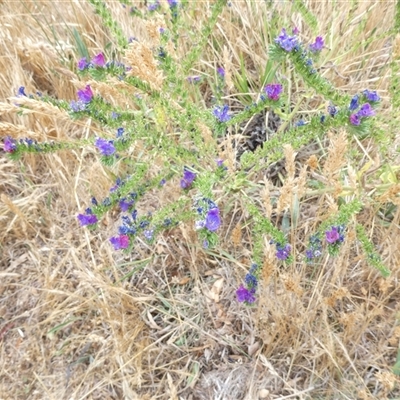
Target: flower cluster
point(314, 248)
point(286, 42)
point(246, 292)
point(208, 211)
point(88, 218)
point(10, 145)
point(273, 91)
point(318, 45)
point(97, 61)
point(106, 147)
point(334, 237)
point(283, 251)
point(85, 96)
point(188, 178)
point(154, 6)
point(364, 110)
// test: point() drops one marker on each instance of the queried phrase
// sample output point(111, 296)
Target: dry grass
point(78, 321)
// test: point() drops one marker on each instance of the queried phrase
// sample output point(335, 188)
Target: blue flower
point(148, 234)
point(286, 42)
point(332, 110)
point(221, 113)
point(251, 280)
point(77, 106)
point(82, 64)
point(221, 72)
point(21, 91)
point(153, 6)
point(125, 205)
point(120, 132)
point(213, 220)
point(371, 95)
point(366, 111)
point(354, 103)
point(106, 147)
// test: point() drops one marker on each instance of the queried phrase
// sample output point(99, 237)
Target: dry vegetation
point(80, 321)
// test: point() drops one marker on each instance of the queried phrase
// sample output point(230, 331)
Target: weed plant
point(281, 259)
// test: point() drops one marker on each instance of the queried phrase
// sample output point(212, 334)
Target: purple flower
point(332, 110)
point(295, 30)
point(300, 122)
point(193, 79)
point(221, 72)
point(148, 234)
point(220, 162)
point(82, 64)
point(288, 43)
point(114, 115)
point(99, 60)
point(120, 242)
point(283, 252)
point(365, 111)
point(353, 103)
point(318, 45)
point(77, 106)
point(106, 147)
point(273, 91)
point(221, 113)
point(333, 235)
point(354, 119)
point(87, 219)
point(188, 178)
point(120, 132)
point(125, 205)
point(172, 3)
point(85, 95)
point(163, 182)
point(10, 145)
point(371, 95)
point(251, 280)
point(21, 91)
point(153, 6)
point(245, 295)
point(213, 220)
